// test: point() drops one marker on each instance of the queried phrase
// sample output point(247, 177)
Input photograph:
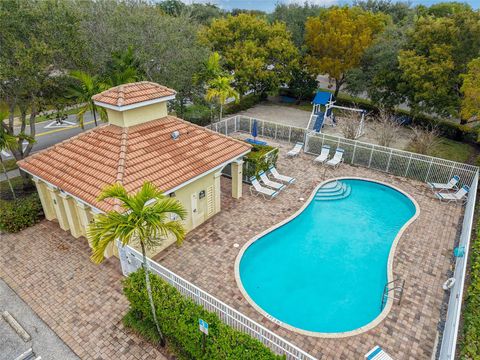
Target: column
point(72, 218)
point(84, 217)
point(45, 198)
point(218, 191)
point(59, 208)
point(237, 175)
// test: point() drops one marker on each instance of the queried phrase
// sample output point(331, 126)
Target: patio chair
point(273, 184)
point(460, 195)
point(286, 179)
point(267, 193)
point(377, 354)
point(323, 154)
point(296, 149)
point(451, 185)
point(337, 158)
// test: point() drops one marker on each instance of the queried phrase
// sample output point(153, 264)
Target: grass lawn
point(455, 151)
point(10, 164)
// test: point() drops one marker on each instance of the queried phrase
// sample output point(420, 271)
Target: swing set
point(322, 113)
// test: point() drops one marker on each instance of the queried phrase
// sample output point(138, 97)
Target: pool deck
point(423, 258)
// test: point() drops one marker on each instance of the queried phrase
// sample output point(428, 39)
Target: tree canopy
point(258, 54)
point(338, 38)
point(471, 91)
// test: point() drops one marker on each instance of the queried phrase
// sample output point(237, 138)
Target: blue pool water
point(324, 271)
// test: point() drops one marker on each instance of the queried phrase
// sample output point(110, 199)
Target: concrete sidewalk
point(44, 341)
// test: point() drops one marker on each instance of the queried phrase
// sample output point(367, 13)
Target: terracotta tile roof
point(83, 165)
point(128, 94)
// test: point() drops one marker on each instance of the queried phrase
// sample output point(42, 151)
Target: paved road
point(44, 341)
point(47, 136)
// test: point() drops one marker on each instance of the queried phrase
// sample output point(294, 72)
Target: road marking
point(63, 129)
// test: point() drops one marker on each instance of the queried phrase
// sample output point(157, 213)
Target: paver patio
point(83, 303)
point(80, 301)
point(422, 258)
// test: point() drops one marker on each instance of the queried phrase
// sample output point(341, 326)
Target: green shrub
point(19, 214)
point(470, 344)
point(198, 114)
point(259, 159)
point(178, 317)
point(245, 103)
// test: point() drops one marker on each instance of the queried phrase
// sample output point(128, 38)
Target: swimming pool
point(323, 271)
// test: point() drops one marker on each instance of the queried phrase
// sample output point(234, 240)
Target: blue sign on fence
point(203, 326)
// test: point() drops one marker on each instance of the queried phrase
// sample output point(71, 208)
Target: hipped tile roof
point(133, 93)
point(83, 165)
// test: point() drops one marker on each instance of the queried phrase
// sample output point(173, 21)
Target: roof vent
point(176, 135)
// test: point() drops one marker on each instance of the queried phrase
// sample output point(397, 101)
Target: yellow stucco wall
point(138, 115)
point(75, 216)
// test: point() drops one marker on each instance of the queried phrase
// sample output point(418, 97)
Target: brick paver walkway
point(82, 302)
point(423, 259)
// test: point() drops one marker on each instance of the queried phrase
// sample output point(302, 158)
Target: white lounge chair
point(273, 184)
point(296, 149)
point(286, 179)
point(460, 195)
point(377, 354)
point(451, 185)
point(260, 190)
point(337, 158)
point(323, 154)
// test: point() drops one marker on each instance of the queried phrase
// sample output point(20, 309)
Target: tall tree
point(258, 54)
point(338, 38)
point(437, 51)
point(166, 47)
point(471, 91)
point(144, 220)
point(295, 16)
point(219, 90)
point(82, 91)
point(379, 74)
point(39, 42)
point(7, 142)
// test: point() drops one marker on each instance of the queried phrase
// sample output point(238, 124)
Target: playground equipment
point(322, 113)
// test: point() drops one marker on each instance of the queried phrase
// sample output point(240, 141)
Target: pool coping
point(383, 314)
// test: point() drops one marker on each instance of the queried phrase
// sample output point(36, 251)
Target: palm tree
point(220, 89)
point(7, 142)
point(145, 220)
point(211, 69)
point(124, 67)
point(85, 87)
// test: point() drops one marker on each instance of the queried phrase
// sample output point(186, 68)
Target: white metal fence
point(131, 260)
point(450, 332)
point(397, 162)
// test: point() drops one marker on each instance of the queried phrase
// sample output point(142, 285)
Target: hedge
point(245, 103)
point(178, 317)
point(19, 214)
point(470, 345)
point(446, 128)
point(198, 114)
point(259, 159)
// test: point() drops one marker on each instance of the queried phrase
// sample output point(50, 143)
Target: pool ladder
point(394, 285)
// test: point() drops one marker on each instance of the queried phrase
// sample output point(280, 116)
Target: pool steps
point(335, 190)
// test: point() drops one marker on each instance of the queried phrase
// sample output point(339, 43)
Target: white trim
point(135, 105)
point(380, 317)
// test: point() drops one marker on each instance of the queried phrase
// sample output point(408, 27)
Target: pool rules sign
point(203, 325)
